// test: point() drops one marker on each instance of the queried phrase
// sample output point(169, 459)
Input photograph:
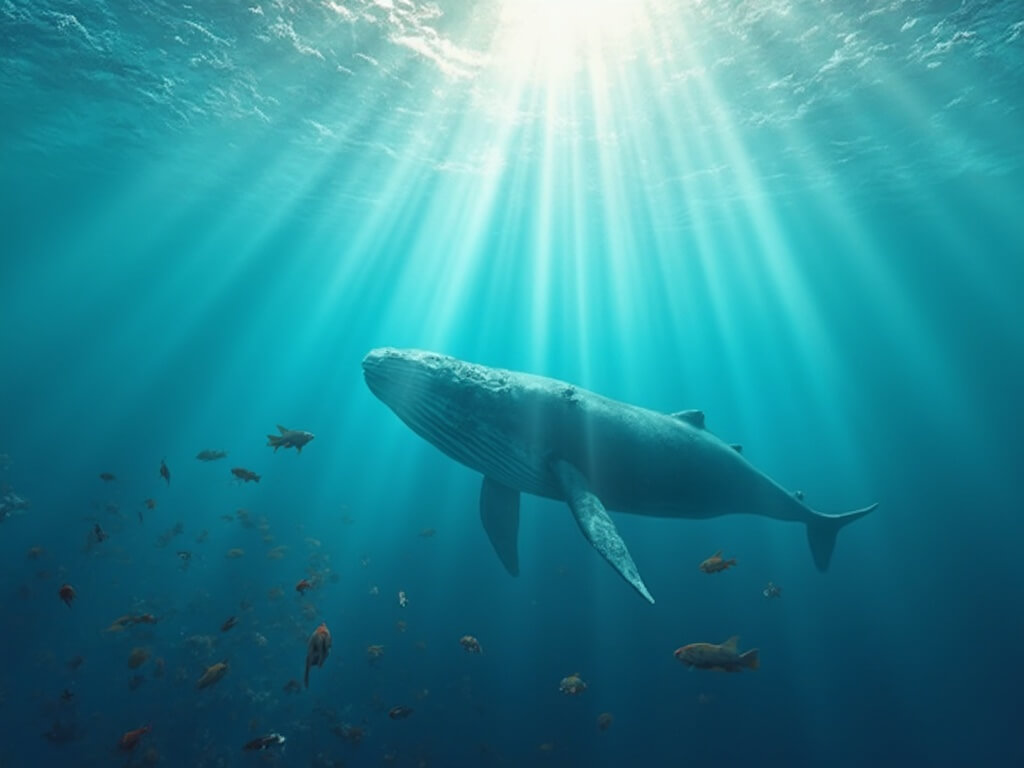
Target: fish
point(771, 591)
point(10, 503)
point(317, 649)
point(549, 438)
point(67, 594)
point(725, 656)
point(264, 742)
point(213, 674)
point(715, 563)
point(289, 438)
point(229, 622)
point(400, 712)
point(130, 739)
point(107, 477)
point(245, 475)
point(208, 455)
point(303, 586)
point(165, 473)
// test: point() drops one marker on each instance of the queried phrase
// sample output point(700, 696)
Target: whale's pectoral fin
point(499, 512)
point(597, 525)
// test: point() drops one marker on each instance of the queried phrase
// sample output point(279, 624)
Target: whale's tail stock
point(822, 530)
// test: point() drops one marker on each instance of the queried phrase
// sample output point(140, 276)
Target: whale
point(531, 434)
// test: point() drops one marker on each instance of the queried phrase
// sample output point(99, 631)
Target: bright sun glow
point(553, 39)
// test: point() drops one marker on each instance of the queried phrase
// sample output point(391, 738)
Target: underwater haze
point(801, 218)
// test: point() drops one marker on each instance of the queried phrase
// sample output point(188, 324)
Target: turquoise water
point(801, 218)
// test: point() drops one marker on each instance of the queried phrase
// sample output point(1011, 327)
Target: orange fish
point(725, 657)
point(67, 594)
point(130, 739)
point(715, 563)
point(212, 674)
point(318, 648)
point(303, 586)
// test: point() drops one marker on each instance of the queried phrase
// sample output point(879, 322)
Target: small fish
point(317, 649)
point(67, 594)
point(184, 555)
point(213, 674)
point(67, 695)
point(725, 657)
point(208, 455)
point(471, 644)
point(399, 712)
point(289, 438)
point(165, 473)
point(228, 623)
point(150, 503)
point(715, 563)
point(771, 590)
point(303, 586)
point(572, 685)
point(130, 739)
point(107, 477)
point(99, 533)
point(264, 742)
point(245, 475)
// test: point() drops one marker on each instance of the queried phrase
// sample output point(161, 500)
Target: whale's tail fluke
point(822, 530)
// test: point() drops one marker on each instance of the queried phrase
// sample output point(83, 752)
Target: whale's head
point(404, 378)
point(428, 391)
point(460, 407)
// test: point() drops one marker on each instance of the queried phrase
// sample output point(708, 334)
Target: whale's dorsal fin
point(693, 418)
point(597, 525)
point(499, 512)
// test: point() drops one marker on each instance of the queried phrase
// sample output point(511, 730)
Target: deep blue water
point(801, 218)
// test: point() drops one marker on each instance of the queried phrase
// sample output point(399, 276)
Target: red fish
point(130, 739)
point(318, 648)
point(67, 594)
